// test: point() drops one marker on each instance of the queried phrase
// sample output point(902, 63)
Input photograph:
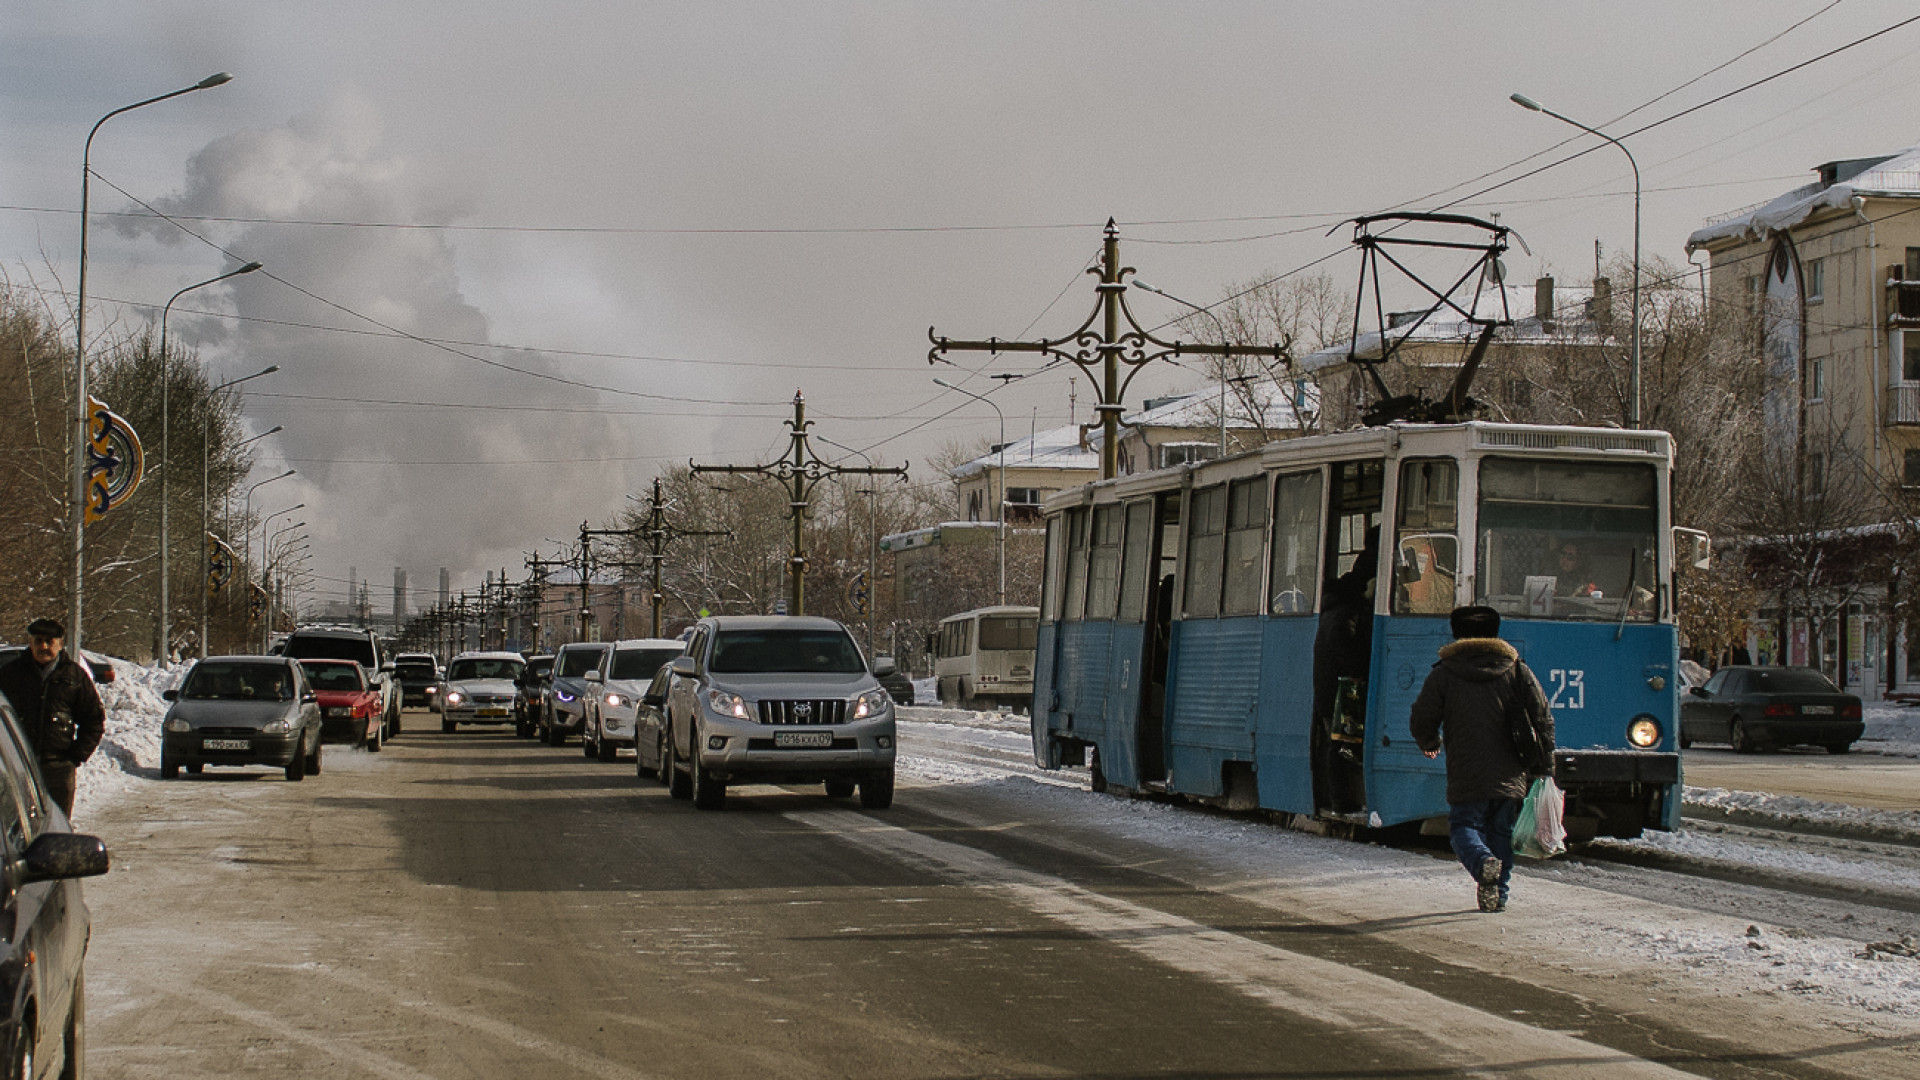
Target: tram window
point(1567, 540)
point(1296, 543)
point(1206, 542)
point(1076, 591)
point(1426, 554)
point(1134, 551)
point(1103, 564)
point(1246, 535)
point(1050, 574)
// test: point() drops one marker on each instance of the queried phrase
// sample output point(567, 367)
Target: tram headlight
point(1643, 731)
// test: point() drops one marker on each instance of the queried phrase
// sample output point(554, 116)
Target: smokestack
point(399, 597)
point(446, 587)
point(1543, 299)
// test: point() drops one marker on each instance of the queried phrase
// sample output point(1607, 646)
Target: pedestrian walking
point(59, 709)
point(1483, 706)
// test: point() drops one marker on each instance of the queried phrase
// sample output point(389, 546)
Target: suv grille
point(830, 711)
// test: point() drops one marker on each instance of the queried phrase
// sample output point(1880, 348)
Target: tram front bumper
point(1584, 768)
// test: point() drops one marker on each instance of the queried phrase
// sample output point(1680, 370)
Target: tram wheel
point(1096, 776)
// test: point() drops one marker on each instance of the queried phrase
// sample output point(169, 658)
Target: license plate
point(1817, 710)
point(491, 712)
point(225, 744)
point(803, 738)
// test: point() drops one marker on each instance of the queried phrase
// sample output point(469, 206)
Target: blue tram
point(1254, 629)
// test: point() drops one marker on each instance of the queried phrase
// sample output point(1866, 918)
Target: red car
point(350, 708)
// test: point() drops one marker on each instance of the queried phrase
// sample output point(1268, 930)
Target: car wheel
point(297, 768)
point(605, 750)
point(1741, 741)
point(679, 783)
point(393, 726)
point(1839, 748)
point(664, 771)
point(839, 789)
point(313, 759)
point(709, 792)
point(373, 741)
point(74, 1041)
point(196, 769)
point(589, 748)
point(22, 1065)
point(1686, 743)
point(876, 789)
point(1096, 776)
point(169, 769)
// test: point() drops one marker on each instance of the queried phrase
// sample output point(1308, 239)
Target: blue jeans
point(1480, 829)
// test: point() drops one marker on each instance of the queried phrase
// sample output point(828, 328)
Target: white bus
point(984, 657)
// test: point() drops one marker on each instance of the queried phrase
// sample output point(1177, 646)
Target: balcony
point(1903, 406)
point(1903, 304)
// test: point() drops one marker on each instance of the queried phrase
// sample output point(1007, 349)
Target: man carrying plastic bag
point(1484, 707)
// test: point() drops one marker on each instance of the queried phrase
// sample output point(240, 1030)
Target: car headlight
point(728, 704)
point(562, 695)
point(175, 723)
point(433, 689)
point(871, 703)
point(1643, 731)
point(614, 701)
point(277, 727)
point(454, 697)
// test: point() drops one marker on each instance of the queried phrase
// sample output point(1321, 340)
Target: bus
point(1253, 630)
point(984, 658)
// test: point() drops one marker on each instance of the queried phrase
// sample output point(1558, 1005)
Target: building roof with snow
point(1894, 175)
point(1570, 317)
point(1058, 448)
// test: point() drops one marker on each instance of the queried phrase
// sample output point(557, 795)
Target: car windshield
point(577, 662)
point(216, 681)
point(329, 647)
point(335, 676)
point(1789, 681)
point(538, 667)
point(829, 651)
point(640, 663)
point(483, 668)
point(1009, 631)
point(413, 671)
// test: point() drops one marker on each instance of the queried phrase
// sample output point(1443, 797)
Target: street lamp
point(1002, 515)
point(1633, 381)
point(263, 527)
point(266, 573)
point(166, 450)
point(77, 511)
point(873, 538)
point(206, 480)
point(247, 508)
point(1208, 312)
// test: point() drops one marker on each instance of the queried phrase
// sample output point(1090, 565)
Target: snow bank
point(1893, 730)
point(134, 711)
point(1787, 811)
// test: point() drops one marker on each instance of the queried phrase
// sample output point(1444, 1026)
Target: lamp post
point(166, 450)
point(263, 528)
point(247, 511)
point(873, 539)
point(1001, 517)
point(206, 484)
point(266, 573)
point(1138, 284)
point(77, 510)
point(1633, 380)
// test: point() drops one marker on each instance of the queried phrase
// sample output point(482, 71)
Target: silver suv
point(777, 700)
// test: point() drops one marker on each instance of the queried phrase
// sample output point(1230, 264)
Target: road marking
point(1425, 1024)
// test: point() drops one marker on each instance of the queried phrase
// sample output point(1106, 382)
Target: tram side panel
point(1212, 701)
point(1283, 743)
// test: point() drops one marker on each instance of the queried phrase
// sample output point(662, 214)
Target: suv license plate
point(815, 739)
point(225, 744)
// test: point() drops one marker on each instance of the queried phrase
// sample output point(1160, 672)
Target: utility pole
point(537, 570)
point(658, 534)
point(586, 540)
point(1108, 349)
point(801, 471)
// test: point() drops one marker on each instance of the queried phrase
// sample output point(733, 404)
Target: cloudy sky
point(524, 256)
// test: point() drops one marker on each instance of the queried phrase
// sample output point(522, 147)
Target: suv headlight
point(562, 694)
point(175, 723)
point(728, 704)
point(871, 703)
point(614, 701)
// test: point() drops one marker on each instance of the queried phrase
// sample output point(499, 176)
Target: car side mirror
point(594, 676)
point(884, 666)
point(170, 694)
point(684, 667)
point(58, 856)
point(309, 698)
point(1699, 691)
point(386, 666)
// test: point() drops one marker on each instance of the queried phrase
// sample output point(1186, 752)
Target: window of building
point(1186, 453)
point(1910, 357)
point(1816, 280)
point(1913, 264)
point(1816, 379)
point(1023, 496)
point(1910, 476)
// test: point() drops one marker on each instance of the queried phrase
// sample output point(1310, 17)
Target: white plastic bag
point(1540, 830)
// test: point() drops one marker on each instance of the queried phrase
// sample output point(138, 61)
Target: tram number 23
point(1567, 688)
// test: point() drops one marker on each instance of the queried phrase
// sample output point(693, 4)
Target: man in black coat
point(59, 709)
point(1464, 708)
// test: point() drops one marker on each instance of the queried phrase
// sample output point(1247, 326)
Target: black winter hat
point(1475, 620)
point(47, 628)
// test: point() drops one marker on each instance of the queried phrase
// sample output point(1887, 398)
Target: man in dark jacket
point(1463, 707)
point(59, 709)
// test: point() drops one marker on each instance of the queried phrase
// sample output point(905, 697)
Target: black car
point(419, 675)
point(530, 695)
point(43, 939)
point(1756, 708)
point(897, 682)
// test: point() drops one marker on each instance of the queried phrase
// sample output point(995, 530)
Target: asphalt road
point(473, 905)
point(1879, 783)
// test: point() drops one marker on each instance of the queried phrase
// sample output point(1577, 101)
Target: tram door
point(1151, 731)
point(1343, 645)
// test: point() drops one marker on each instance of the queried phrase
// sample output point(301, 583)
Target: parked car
point(242, 710)
point(419, 678)
point(530, 694)
point(650, 730)
point(101, 672)
point(349, 705)
point(897, 682)
point(778, 700)
point(565, 713)
point(43, 939)
point(480, 689)
point(613, 693)
point(360, 646)
point(1756, 708)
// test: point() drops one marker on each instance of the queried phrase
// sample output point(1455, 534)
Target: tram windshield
point(1568, 539)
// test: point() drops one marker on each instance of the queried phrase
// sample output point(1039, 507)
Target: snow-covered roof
point(1896, 175)
point(1570, 318)
point(1058, 448)
point(1201, 408)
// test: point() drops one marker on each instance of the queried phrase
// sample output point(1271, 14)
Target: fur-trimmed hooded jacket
point(1463, 707)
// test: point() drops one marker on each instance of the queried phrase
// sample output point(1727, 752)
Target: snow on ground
point(1892, 730)
point(134, 711)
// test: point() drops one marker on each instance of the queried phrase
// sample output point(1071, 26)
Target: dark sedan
point(1758, 708)
point(898, 683)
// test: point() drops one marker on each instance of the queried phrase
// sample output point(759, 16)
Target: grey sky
point(722, 203)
